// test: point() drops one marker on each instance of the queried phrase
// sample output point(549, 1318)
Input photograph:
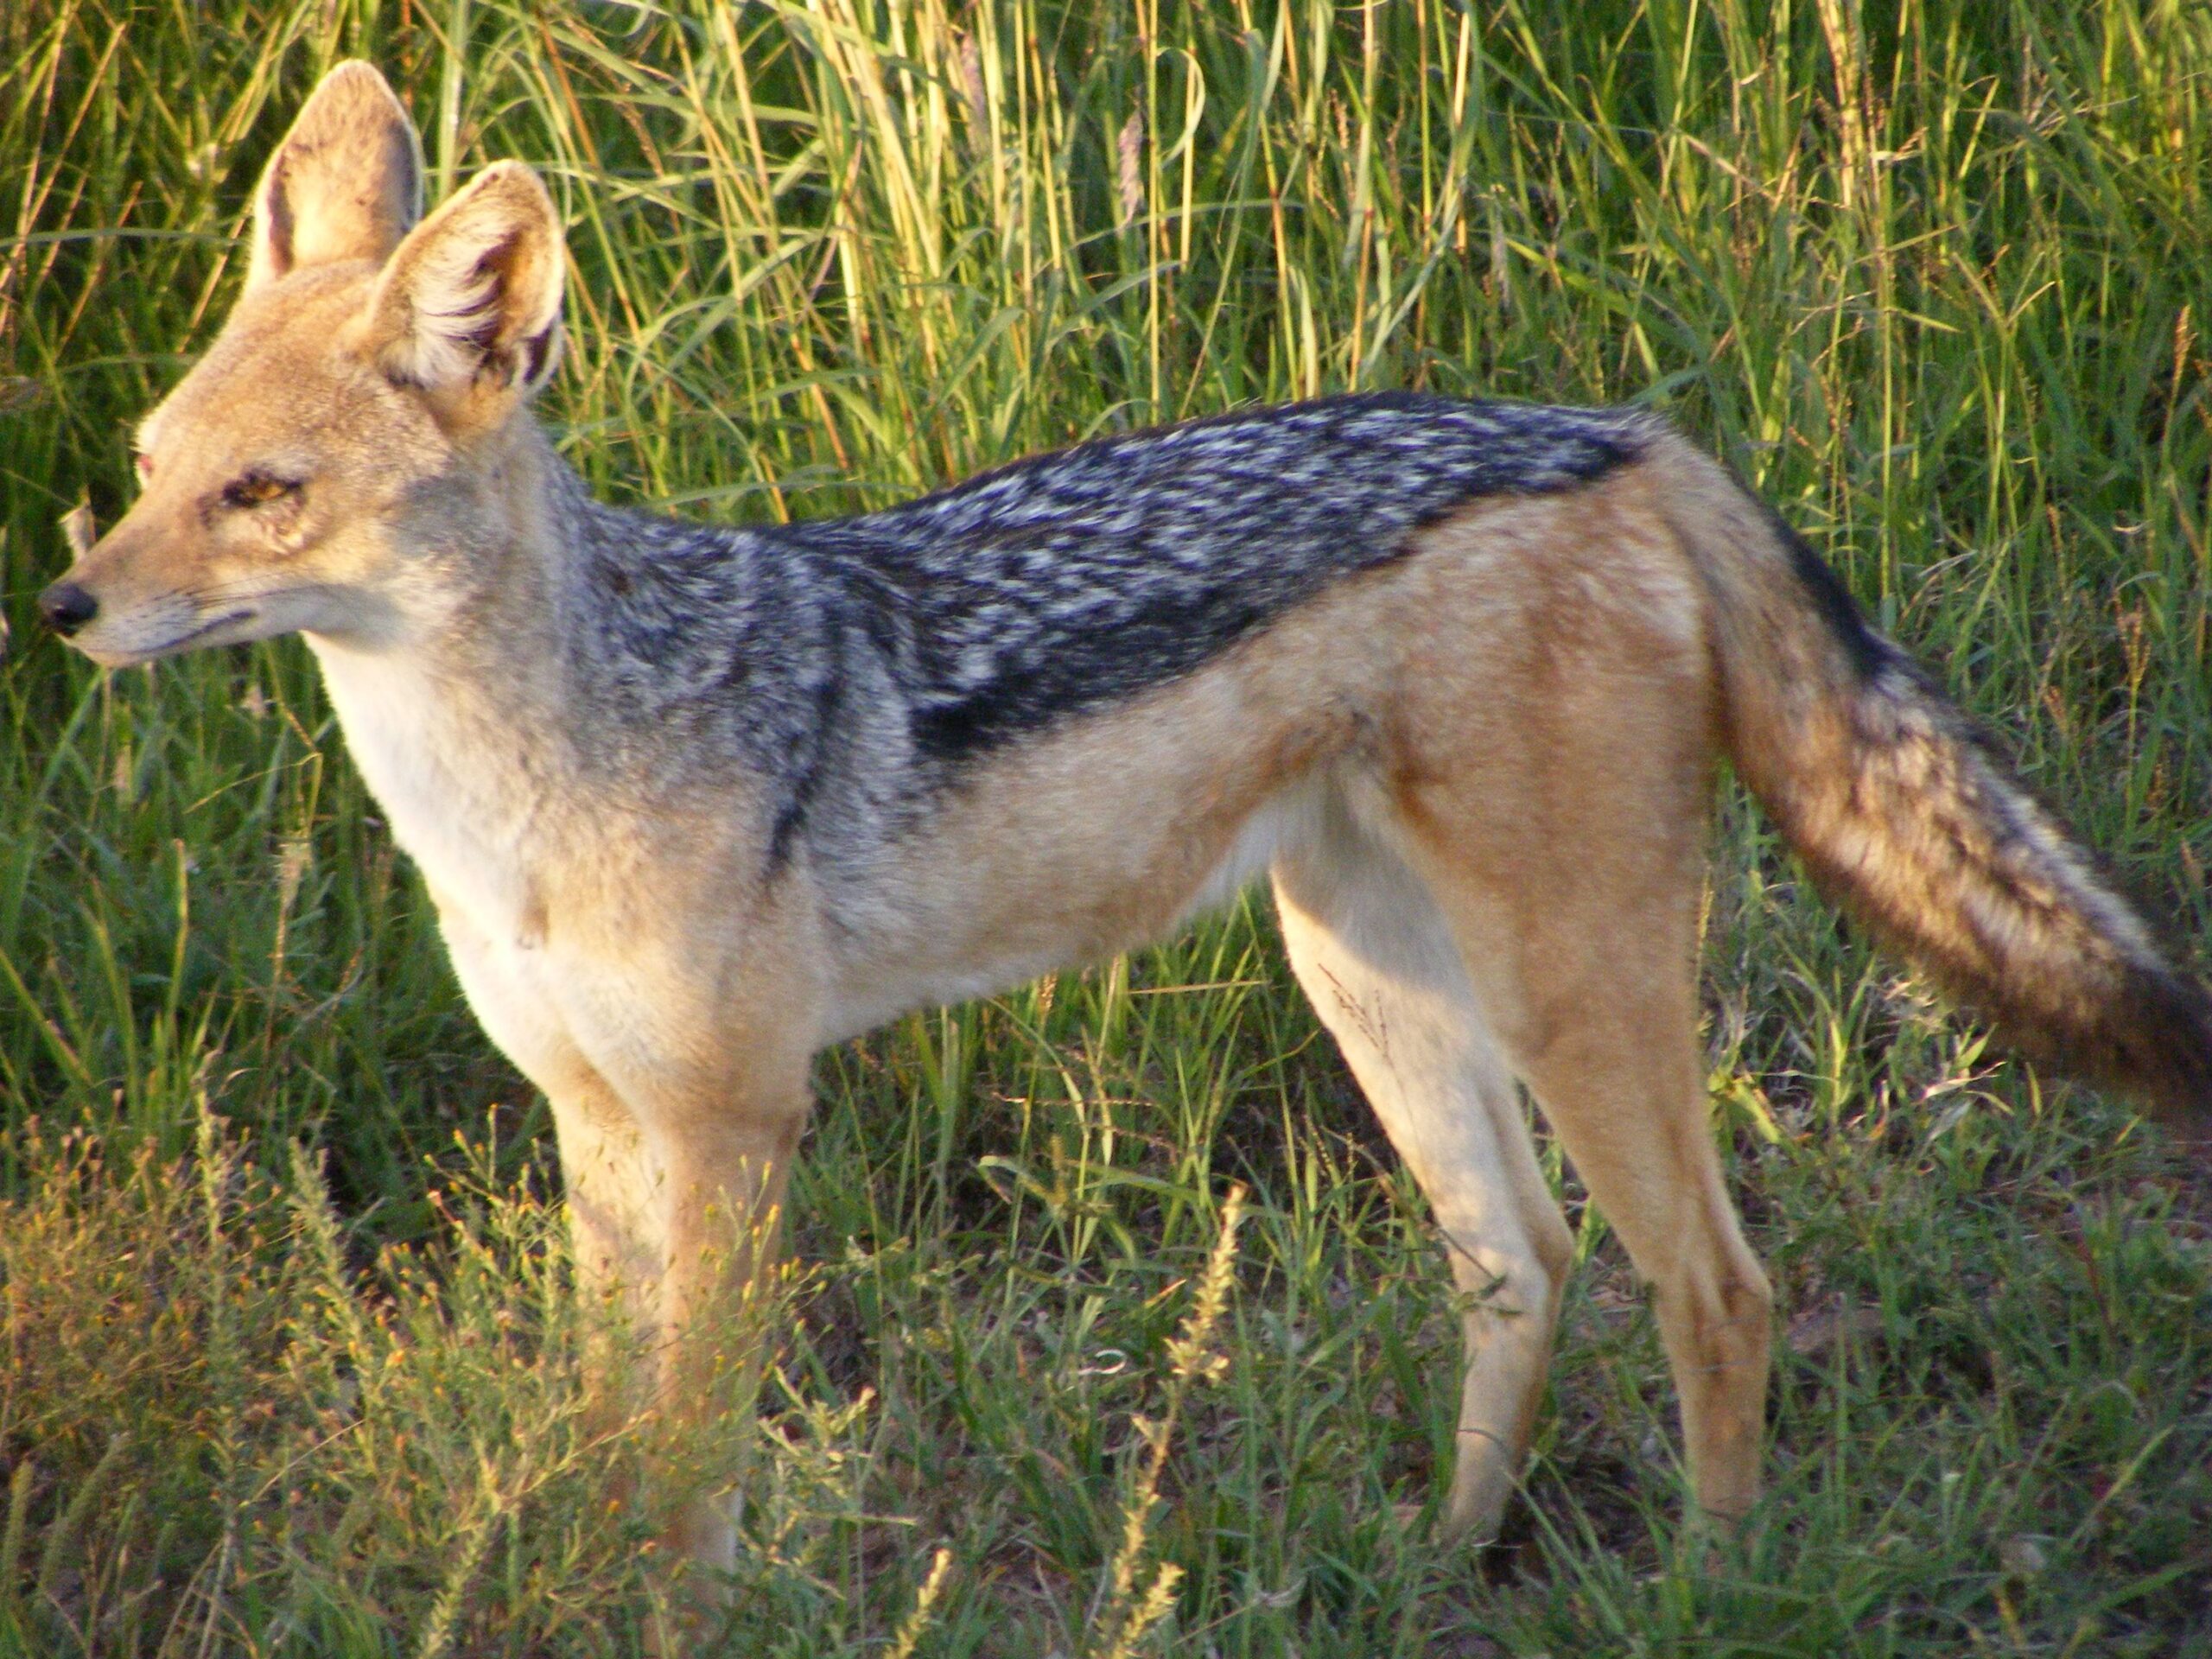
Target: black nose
point(66, 608)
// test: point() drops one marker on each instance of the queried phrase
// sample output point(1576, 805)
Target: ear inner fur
point(472, 297)
point(345, 183)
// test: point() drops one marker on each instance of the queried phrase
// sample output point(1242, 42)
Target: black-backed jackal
point(693, 801)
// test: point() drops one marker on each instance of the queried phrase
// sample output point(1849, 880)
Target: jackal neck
point(458, 711)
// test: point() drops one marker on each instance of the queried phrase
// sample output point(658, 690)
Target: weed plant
point(288, 1361)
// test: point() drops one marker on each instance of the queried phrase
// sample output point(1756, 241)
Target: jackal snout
point(66, 608)
point(65, 605)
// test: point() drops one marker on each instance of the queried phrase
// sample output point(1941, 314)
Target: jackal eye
point(257, 490)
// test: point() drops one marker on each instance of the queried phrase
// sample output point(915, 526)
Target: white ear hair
point(345, 183)
point(474, 294)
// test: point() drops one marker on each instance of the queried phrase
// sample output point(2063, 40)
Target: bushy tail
point(1906, 816)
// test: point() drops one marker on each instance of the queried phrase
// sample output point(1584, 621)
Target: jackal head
point(334, 463)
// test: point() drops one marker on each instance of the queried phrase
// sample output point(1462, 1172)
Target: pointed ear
point(345, 183)
point(471, 301)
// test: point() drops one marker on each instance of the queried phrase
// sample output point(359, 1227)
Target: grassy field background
point(287, 1365)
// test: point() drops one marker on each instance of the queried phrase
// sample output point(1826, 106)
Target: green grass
point(288, 1368)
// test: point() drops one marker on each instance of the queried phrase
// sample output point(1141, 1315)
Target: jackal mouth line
point(183, 642)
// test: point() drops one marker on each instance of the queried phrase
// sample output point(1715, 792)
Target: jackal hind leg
point(1380, 965)
point(1584, 955)
point(1627, 1096)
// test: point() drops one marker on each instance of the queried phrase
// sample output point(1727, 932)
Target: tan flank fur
point(1475, 768)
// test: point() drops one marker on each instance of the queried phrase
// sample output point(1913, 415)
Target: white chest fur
point(449, 776)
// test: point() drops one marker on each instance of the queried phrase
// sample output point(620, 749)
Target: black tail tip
point(2164, 1058)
